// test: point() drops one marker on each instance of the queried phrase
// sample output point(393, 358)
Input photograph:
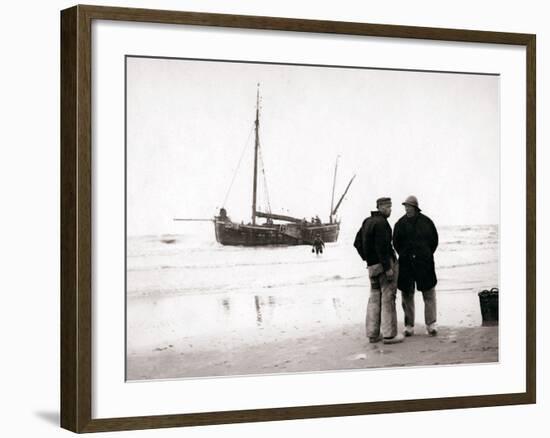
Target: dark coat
point(415, 240)
point(376, 235)
point(318, 243)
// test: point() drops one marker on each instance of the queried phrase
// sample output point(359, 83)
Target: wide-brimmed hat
point(411, 200)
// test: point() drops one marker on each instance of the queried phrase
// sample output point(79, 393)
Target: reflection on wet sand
point(264, 305)
point(260, 318)
point(258, 310)
point(226, 305)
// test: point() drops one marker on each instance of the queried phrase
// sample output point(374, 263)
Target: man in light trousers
point(381, 319)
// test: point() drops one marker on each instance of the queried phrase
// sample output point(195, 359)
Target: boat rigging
point(293, 230)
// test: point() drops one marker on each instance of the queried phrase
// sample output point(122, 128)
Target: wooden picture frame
point(76, 217)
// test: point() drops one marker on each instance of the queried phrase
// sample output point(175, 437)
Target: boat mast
point(333, 187)
point(256, 145)
point(343, 195)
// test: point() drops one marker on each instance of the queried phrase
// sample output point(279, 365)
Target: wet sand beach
point(208, 310)
point(342, 349)
point(331, 336)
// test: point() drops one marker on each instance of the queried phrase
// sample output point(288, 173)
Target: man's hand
point(389, 274)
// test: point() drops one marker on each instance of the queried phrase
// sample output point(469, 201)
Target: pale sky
point(434, 135)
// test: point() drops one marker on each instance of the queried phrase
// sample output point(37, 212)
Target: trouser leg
point(430, 306)
point(388, 323)
point(407, 301)
point(373, 313)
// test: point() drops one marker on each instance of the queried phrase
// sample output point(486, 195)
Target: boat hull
point(231, 233)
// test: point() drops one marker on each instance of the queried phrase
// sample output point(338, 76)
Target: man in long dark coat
point(415, 239)
point(376, 235)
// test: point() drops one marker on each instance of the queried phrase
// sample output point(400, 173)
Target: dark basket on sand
point(488, 300)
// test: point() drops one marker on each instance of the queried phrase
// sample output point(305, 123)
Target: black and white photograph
point(288, 218)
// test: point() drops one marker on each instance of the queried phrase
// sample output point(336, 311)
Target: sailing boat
point(292, 230)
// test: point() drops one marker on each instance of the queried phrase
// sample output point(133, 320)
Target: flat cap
point(382, 201)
